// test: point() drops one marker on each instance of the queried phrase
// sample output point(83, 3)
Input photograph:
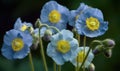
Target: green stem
point(84, 44)
point(59, 68)
point(52, 27)
point(54, 66)
point(78, 36)
point(42, 52)
point(31, 62)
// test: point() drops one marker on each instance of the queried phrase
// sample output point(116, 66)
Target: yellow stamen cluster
point(80, 57)
point(24, 27)
point(63, 46)
point(92, 23)
point(17, 44)
point(54, 16)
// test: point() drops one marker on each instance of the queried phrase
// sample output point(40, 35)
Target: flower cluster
point(62, 46)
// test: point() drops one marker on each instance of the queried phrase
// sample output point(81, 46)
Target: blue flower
point(16, 45)
point(78, 56)
point(91, 23)
point(55, 14)
point(62, 46)
point(74, 14)
point(22, 26)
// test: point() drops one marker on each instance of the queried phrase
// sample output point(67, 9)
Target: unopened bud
point(109, 43)
point(98, 49)
point(37, 23)
point(35, 42)
point(30, 29)
point(91, 67)
point(47, 35)
point(35, 45)
point(108, 53)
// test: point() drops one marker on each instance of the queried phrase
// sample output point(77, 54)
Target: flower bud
point(108, 43)
point(108, 53)
point(30, 29)
point(37, 23)
point(91, 67)
point(47, 35)
point(98, 49)
point(35, 45)
point(35, 42)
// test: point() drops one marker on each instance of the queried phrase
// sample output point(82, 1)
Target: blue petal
point(56, 56)
point(90, 56)
point(79, 28)
point(28, 40)
point(74, 45)
point(22, 53)
point(90, 33)
point(64, 13)
point(61, 25)
point(103, 27)
point(67, 56)
point(82, 7)
point(67, 35)
point(7, 51)
point(28, 24)
point(55, 38)
point(74, 55)
point(18, 24)
point(72, 18)
point(42, 31)
point(94, 12)
point(9, 36)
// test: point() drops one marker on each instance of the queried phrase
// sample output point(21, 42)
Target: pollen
point(92, 23)
point(63, 46)
point(80, 57)
point(54, 16)
point(24, 27)
point(17, 44)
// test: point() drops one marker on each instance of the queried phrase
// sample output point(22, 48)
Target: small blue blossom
point(54, 14)
point(16, 45)
point(62, 46)
point(74, 14)
point(22, 26)
point(78, 57)
point(91, 23)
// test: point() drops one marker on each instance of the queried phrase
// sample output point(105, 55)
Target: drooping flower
point(22, 26)
point(55, 14)
point(91, 23)
point(79, 56)
point(62, 46)
point(16, 45)
point(74, 14)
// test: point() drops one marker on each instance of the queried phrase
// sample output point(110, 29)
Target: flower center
point(24, 27)
point(63, 46)
point(54, 16)
point(77, 17)
point(92, 23)
point(17, 44)
point(80, 57)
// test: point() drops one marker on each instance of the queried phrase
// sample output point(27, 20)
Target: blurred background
point(29, 11)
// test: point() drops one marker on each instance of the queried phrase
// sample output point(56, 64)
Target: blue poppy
point(54, 14)
point(78, 56)
point(91, 23)
point(16, 45)
point(62, 46)
point(22, 26)
point(74, 14)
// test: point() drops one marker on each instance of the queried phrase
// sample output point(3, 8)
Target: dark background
point(29, 11)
